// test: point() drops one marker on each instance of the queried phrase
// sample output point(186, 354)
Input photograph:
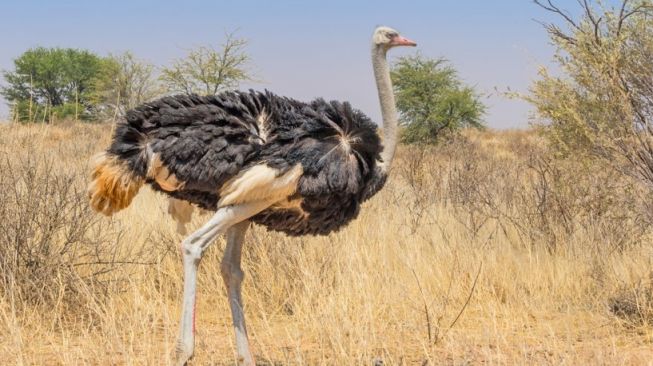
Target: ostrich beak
point(401, 41)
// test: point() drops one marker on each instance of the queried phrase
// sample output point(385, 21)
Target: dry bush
point(45, 223)
point(53, 248)
point(547, 199)
point(633, 303)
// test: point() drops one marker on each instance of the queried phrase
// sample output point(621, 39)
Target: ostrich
point(249, 157)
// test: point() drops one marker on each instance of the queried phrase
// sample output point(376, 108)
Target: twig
point(426, 307)
point(471, 292)
point(554, 9)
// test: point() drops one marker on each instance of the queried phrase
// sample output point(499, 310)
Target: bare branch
point(469, 297)
point(554, 9)
point(427, 312)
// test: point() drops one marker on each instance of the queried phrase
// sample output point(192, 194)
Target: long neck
point(387, 100)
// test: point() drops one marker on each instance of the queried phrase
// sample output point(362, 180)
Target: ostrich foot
point(243, 362)
point(182, 354)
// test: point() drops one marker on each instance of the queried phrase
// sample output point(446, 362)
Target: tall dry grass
point(485, 250)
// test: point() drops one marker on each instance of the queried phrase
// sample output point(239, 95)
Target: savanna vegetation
point(510, 247)
point(434, 103)
point(483, 249)
point(55, 84)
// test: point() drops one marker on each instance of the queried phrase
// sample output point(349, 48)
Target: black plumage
point(204, 141)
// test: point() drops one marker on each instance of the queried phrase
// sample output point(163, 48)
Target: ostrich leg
point(233, 278)
point(192, 249)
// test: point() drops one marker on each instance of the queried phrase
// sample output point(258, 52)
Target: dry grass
point(481, 252)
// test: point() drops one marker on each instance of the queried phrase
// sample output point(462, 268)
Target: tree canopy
point(432, 100)
point(52, 78)
point(600, 105)
point(123, 83)
point(206, 70)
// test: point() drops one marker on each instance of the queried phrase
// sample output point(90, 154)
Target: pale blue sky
point(304, 49)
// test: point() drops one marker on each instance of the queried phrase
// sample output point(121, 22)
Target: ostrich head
point(387, 38)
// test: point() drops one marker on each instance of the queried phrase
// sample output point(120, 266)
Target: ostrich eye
point(391, 35)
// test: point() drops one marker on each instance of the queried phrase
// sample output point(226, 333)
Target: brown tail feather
point(113, 185)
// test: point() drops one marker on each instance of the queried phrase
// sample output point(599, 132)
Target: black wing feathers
point(204, 141)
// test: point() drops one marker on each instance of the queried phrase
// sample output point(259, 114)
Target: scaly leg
point(192, 249)
point(233, 278)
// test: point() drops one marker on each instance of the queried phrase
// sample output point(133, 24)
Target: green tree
point(123, 83)
point(206, 70)
point(49, 82)
point(432, 100)
point(601, 105)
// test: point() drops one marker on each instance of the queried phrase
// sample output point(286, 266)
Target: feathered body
point(198, 149)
